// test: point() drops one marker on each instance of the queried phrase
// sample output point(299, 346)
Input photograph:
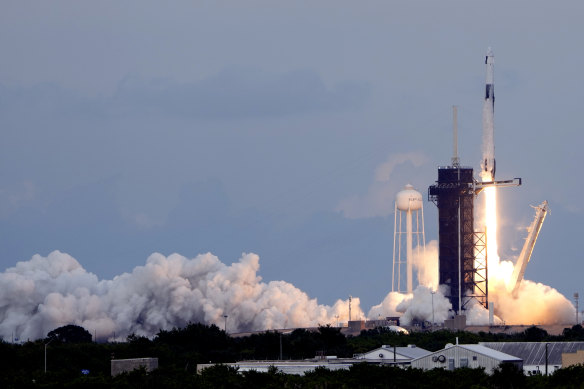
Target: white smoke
point(388, 307)
point(48, 292)
point(420, 305)
point(536, 303)
point(426, 265)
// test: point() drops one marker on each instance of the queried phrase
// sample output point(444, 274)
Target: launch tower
point(454, 195)
point(462, 253)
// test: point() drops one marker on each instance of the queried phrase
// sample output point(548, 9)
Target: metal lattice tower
point(464, 278)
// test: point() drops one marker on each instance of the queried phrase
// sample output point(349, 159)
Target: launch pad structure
point(462, 251)
point(459, 245)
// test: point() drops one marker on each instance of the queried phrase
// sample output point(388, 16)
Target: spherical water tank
point(409, 199)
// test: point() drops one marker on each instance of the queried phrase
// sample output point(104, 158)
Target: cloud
point(231, 93)
point(239, 93)
point(379, 199)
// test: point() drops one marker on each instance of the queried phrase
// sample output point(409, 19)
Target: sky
point(283, 129)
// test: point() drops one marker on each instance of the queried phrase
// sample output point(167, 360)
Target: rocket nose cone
point(489, 52)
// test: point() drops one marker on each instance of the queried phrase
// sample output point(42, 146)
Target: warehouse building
point(533, 354)
point(119, 366)
point(465, 355)
point(392, 355)
point(384, 355)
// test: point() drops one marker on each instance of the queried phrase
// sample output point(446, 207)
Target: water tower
point(409, 210)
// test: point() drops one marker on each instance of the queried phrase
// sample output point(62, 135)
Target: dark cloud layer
point(231, 94)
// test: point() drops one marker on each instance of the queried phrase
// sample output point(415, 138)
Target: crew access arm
point(524, 257)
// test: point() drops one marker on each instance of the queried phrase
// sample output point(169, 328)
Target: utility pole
point(280, 346)
point(433, 292)
point(225, 317)
point(576, 296)
point(46, 344)
point(546, 358)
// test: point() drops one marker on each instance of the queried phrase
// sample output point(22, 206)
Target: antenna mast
point(455, 159)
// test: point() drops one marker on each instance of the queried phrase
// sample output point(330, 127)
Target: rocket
point(488, 164)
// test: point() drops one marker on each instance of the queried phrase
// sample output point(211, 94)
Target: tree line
point(73, 360)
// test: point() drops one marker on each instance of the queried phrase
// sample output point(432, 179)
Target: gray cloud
point(239, 92)
point(380, 197)
point(230, 94)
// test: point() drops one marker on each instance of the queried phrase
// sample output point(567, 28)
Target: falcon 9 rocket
point(488, 164)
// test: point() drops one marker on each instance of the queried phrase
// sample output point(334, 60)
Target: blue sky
point(280, 128)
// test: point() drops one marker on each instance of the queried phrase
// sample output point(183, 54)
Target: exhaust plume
point(536, 303)
point(48, 292)
point(418, 306)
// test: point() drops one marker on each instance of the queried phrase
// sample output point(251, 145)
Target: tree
point(535, 334)
point(70, 334)
point(574, 333)
point(508, 375)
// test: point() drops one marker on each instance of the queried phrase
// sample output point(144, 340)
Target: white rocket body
point(488, 164)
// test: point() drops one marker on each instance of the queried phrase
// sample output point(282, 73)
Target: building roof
point(489, 352)
point(533, 353)
point(409, 352)
point(479, 349)
point(412, 352)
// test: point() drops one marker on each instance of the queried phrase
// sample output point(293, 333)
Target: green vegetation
point(180, 350)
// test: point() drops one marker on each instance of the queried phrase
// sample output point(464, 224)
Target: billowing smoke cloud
point(426, 264)
point(420, 305)
point(388, 307)
point(536, 303)
point(47, 292)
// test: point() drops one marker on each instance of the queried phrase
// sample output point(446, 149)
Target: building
point(286, 367)
point(465, 355)
point(356, 326)
point(533, 354)
point(386, 355)
point(571, 359)
point(392, 355)
point(119, 366)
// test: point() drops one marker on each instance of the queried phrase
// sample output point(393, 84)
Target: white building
point(286, 367)
point(386, 355)
point(392, 355)
point(465, 355)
